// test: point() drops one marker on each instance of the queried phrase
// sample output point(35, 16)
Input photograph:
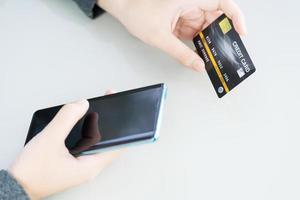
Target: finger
point(195, 13)
point(211, 16)
point(95, 163)
point(232, 10)
point(110, 91)
point(194, 24)
point(65, 119)
point(90, 134)
point(186, 33)
point(177, 49)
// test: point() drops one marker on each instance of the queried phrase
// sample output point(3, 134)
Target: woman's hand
point(46, 167)
point(162, 23)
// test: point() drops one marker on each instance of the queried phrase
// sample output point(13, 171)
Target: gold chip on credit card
point(225, 25)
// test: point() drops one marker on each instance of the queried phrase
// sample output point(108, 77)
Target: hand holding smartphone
point(111, 121)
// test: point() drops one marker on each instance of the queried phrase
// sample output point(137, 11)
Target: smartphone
point(112, 121)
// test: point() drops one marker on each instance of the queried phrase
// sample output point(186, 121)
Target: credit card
point(226, 59)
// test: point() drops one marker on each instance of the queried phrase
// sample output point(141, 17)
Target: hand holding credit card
point(226, 59)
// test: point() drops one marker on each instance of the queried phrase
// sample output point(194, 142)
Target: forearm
point(114, 7)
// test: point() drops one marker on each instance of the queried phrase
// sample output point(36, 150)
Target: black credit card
point(224, 54)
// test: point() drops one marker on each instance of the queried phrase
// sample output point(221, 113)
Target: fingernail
point(198, 65)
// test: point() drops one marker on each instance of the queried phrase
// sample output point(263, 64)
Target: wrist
point(22, 183)
point(114, 7)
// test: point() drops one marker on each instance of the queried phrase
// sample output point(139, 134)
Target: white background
point(243, 146)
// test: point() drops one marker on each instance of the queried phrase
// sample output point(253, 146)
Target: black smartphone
point(114, 120)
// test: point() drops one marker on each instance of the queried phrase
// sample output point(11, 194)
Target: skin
point(164, 23)
point(46, 167)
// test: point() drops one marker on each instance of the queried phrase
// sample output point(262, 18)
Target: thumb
point(178, 50)
point(65, 120)
point(97, 162)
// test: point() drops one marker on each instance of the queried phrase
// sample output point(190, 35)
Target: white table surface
point(243, 146)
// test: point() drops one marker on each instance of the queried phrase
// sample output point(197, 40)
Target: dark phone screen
point(111, 120)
